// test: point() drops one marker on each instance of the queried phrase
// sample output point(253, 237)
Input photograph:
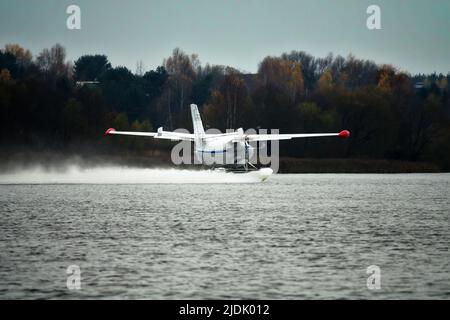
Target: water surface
point(291, 237)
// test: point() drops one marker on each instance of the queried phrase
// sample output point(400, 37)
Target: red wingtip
point(344, 134)
point(108, 132)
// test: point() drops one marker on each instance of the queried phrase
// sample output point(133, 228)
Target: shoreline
point(355, 165)
point(161, 159)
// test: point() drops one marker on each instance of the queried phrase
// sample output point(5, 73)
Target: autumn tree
point(325, 81)
point(23, 56)
point(283, 74)
point(5, 76)
point(308, 66)
point(385, 77)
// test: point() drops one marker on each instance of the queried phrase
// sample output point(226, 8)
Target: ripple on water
point(293, 237)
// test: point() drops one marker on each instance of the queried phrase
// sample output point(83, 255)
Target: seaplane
point(237, 143)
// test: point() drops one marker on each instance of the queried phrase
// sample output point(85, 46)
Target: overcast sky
point(414, 37)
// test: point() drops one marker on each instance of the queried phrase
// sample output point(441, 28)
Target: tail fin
point(197, 121)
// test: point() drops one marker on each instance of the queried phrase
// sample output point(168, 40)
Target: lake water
point(292, 237)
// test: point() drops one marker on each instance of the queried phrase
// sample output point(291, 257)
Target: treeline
point(48, 103)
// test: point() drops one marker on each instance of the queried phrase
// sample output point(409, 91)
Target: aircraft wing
point(265, 137)
point(170, 135)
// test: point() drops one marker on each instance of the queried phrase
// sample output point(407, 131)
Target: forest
point(51, 105)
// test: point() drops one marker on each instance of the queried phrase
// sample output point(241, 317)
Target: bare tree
point(52, 62)
point(140, 68)
point(181, 75)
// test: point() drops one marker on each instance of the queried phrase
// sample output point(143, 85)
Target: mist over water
point(113, 174)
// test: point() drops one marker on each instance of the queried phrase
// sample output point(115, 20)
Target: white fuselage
point(223, 144)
